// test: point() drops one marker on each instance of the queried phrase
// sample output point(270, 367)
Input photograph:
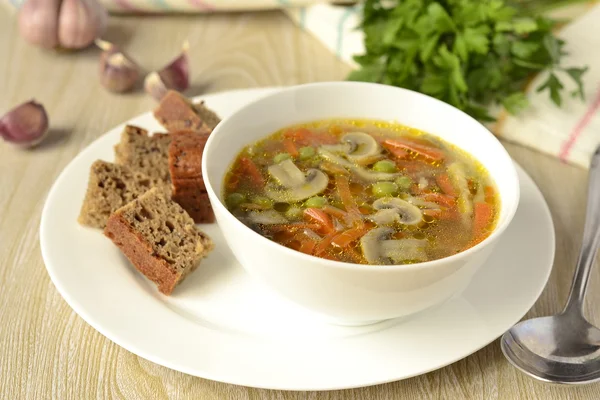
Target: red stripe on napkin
point(124, 4)
point(202, 5)
point(581, 124)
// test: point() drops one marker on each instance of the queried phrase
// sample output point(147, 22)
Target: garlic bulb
point(38, 22)
point(72, 24)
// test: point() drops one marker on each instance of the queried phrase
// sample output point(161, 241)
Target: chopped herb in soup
point(365, 192)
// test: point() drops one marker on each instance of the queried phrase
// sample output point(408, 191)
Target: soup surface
point(360, 191)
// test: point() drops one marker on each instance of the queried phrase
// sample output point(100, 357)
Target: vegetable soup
point(361, 191)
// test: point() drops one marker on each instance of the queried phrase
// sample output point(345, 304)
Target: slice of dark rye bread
point(110, 186)
point(144, 153)
point(175, 112)
point(159, 238)
point(185, 167)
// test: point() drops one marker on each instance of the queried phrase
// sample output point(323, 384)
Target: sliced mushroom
point(404, 250)
point(408, 214)
point(388, 216)
point(269, 217)
point(367, 175)
point(293, 189)
point(458, 177)
point(377, 248)
point(370, 245)
point(423, 203)
point(363, 145)
point(343, 148)
point(287, 174)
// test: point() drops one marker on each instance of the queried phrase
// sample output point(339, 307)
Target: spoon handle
point(591, 239)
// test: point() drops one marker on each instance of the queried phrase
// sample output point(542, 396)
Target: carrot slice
point(489, 194)
point(449, 214)
point(433, 212)
point(320, 217)
point(253, 172)
point(342, 182)
point(422, 150)
point(397, 152)
point(305, 137)
point(343, 239)
point(483, 214)
point(290, 147)
point(324, 244)
point(441, 199)
point(443, 181)
point(307, 246)
point(334, 211)
point(333, 168)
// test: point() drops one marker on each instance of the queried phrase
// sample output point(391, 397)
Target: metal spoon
point(564, 348)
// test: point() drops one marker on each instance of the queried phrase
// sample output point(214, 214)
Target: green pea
point(235, 199)
point(304, 153)
point(404, 182)
point(263, 201)
point(294, 213)
point(317, 201)
point(281, 157)
point(381, 189)
point(384, 166)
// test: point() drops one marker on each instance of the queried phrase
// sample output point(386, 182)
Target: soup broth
point(360, 191)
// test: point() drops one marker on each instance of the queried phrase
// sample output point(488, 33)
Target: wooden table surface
point(47, 351)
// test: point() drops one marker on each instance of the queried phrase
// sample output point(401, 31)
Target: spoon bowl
point(560, 349)
point(564, 348)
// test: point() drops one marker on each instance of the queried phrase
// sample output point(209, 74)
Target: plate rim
point(89, 319)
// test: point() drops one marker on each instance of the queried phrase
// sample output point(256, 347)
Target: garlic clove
point(38, 22)
point(174, 76)
point(118, 73)
point(80, 22)
point(154, 86)
point(25, 125)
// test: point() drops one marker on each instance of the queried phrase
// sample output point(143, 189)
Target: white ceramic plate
point(223, 325)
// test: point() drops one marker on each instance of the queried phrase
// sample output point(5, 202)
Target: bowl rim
point(496, 233)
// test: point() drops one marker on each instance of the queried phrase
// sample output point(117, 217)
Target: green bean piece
point(384, 166)
point(304, 153)
point(281, 157)
point(316, 201)
point(382, 189)
point(235, 199)
point(404, 182)
point(263, 201)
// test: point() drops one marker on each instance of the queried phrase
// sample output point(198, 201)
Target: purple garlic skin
point(155, 86)
point(118, 73)
point(25, 125)
point(174, 76)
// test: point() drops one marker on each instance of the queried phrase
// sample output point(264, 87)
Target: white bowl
point(342, 292)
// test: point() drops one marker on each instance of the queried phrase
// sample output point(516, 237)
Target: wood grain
point(47, 351)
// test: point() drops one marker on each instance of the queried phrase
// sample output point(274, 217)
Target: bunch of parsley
point(469, 53)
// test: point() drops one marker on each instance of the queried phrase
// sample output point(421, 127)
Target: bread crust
point(185, 168)
point(140, 253)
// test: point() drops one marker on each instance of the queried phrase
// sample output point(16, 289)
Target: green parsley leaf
point(515, 102)
point(553, 85)
point(576, 74)
point(472, 54)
